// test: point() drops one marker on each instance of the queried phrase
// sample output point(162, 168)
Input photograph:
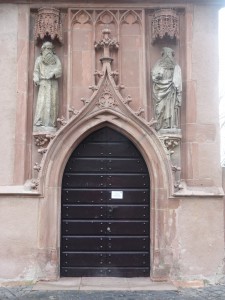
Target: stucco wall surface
point(18, 239)
point(8, 85)
point(202, 104)
point(199, 251)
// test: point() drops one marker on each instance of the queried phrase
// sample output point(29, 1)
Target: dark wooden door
point(105, 209)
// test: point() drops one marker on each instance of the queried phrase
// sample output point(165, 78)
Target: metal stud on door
point(105, 209)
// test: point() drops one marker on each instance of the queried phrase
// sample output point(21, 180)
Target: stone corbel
point(42, 139)
point(165, 24)
point(171, 139)
point(48, 25)
point(171, 142)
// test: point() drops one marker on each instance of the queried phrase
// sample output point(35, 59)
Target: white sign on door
point(117, 195)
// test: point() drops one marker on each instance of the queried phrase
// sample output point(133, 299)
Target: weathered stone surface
point(47, 70)
point(167, 90)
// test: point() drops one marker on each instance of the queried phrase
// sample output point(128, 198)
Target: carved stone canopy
point(48, 25)
point(165, 23)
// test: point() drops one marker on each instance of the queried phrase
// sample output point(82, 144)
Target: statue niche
point(47, 70)
point(167, 91)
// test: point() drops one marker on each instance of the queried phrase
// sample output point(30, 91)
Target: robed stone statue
point(47, 70)
point(167, 89)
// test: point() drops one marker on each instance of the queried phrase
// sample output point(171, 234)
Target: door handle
point(108, 229)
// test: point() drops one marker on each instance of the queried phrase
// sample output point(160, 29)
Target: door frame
point(138, 211)
point(160, 173)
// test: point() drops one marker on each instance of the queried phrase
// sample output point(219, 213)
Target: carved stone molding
point(42, 139)
point(48, 25)
point(165, 23)
point(82, 17)
point(131, 17)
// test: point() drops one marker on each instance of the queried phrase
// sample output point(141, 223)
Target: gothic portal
point(110, 160)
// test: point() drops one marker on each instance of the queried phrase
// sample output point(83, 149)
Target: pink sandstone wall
point(194, 225)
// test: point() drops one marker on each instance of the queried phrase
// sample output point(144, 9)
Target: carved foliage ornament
point(165, 22)
point(171, 142)
point(106, 99)
point(48, 24)
point(106, 43)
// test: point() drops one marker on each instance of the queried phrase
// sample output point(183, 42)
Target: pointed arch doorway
point(105, 222)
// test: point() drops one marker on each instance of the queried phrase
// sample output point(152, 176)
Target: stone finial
point(106, 43)
point(165, 22)
point(48, 25)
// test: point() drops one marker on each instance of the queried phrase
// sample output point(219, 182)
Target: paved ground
point(27, 292)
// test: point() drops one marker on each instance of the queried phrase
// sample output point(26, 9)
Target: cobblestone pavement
point(208, 293)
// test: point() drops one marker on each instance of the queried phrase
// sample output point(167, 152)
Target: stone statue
point(167, 89)
point(47, 70)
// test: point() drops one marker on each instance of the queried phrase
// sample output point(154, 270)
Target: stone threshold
point(104, 284)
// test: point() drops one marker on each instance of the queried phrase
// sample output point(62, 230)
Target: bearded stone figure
point(167, 89)
point(47, 70)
